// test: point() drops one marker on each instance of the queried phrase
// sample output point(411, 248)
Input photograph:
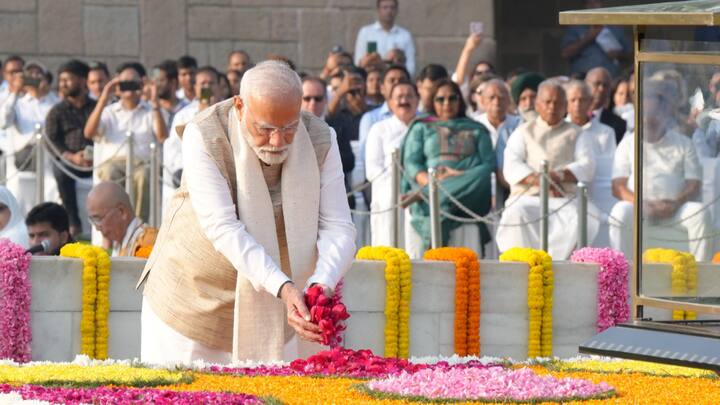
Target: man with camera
point(26, 106)
point(108, 126)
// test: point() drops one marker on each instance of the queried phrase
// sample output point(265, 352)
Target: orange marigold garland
point(467, 296)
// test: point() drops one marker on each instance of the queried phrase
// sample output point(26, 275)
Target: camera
point(129, 85)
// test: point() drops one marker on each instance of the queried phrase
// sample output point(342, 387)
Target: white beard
point(264, 152)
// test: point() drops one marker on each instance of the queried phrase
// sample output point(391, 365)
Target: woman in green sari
point(461, 151)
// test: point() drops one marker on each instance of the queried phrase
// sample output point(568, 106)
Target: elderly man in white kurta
point(385, 137)
point(261, 179)
point(568, 151)
point(579, 98)
point(672, 177)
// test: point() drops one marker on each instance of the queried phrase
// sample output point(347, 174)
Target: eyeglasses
point(450, 99)
point(98, 220)
point(266, 130)
point(318, 99)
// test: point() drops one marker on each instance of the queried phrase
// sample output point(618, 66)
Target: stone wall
point(152, 30)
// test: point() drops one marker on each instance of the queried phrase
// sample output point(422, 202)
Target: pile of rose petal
point(492, 383)
point(327, 313)
point(352, 363)
point(340, 362)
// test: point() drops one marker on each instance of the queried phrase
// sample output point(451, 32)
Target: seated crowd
point(484, 136)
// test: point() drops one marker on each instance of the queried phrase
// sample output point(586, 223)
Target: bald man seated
point(111, 212)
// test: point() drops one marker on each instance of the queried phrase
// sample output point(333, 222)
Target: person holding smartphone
point(27, 105)
point(384, 35)
point(108, 126)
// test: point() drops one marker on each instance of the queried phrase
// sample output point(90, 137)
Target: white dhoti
point(687, 235)
point(161, 344)
point(562, 225)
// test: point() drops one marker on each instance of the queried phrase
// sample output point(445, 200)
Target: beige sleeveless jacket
point(188, 284)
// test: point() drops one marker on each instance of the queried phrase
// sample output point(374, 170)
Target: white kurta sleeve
point(374, 154)
point(584, 165)
point(515, 167)
point(336, 232)
point(623, 162)
point(7, 111)
point(360, 45)
point(410, 54)
point(216, 213)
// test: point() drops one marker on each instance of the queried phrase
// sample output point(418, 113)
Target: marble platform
point(57, 290)
point(504, 313)
point(56, 308)
point(656, 283)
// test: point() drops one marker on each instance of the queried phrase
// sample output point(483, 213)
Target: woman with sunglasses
point(461, 152)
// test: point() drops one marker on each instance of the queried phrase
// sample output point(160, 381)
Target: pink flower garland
point(612, 296)
point(123, 395)
point(15, 332)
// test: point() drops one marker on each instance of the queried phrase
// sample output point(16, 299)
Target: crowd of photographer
point(485, 136)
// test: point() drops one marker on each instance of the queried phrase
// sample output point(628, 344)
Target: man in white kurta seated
point(384, 137)
point(568, 151)
point(496, 100)
point(260, 215)
point(672, 177)
point(579, 98)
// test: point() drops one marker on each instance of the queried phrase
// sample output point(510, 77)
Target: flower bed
point(349, 377)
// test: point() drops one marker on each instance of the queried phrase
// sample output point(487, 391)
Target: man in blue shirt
point(586, 47)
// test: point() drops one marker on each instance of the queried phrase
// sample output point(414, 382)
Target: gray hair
point(551, 84)
point(497, 83)
point(272, 79)
point(575, 83)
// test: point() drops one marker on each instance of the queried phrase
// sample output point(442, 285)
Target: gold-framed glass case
point(674, 156)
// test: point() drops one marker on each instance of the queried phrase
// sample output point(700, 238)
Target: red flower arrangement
point(328, 313)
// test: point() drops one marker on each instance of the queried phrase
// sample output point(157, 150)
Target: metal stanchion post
point(39, 165)
point(435, 225)
point(395, 198)
point(130, 166)
point(154, 184)
point(3, 168)
point(582, 214)
point(544, 205)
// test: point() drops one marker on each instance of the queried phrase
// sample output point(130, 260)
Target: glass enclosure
point(670, 168)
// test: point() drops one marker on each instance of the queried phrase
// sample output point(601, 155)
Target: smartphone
point(155, 74)
point(371, 47)
point(88, 153)
point(129, 85)
point(31, 81)
point(205, 94)
point(476, 27)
